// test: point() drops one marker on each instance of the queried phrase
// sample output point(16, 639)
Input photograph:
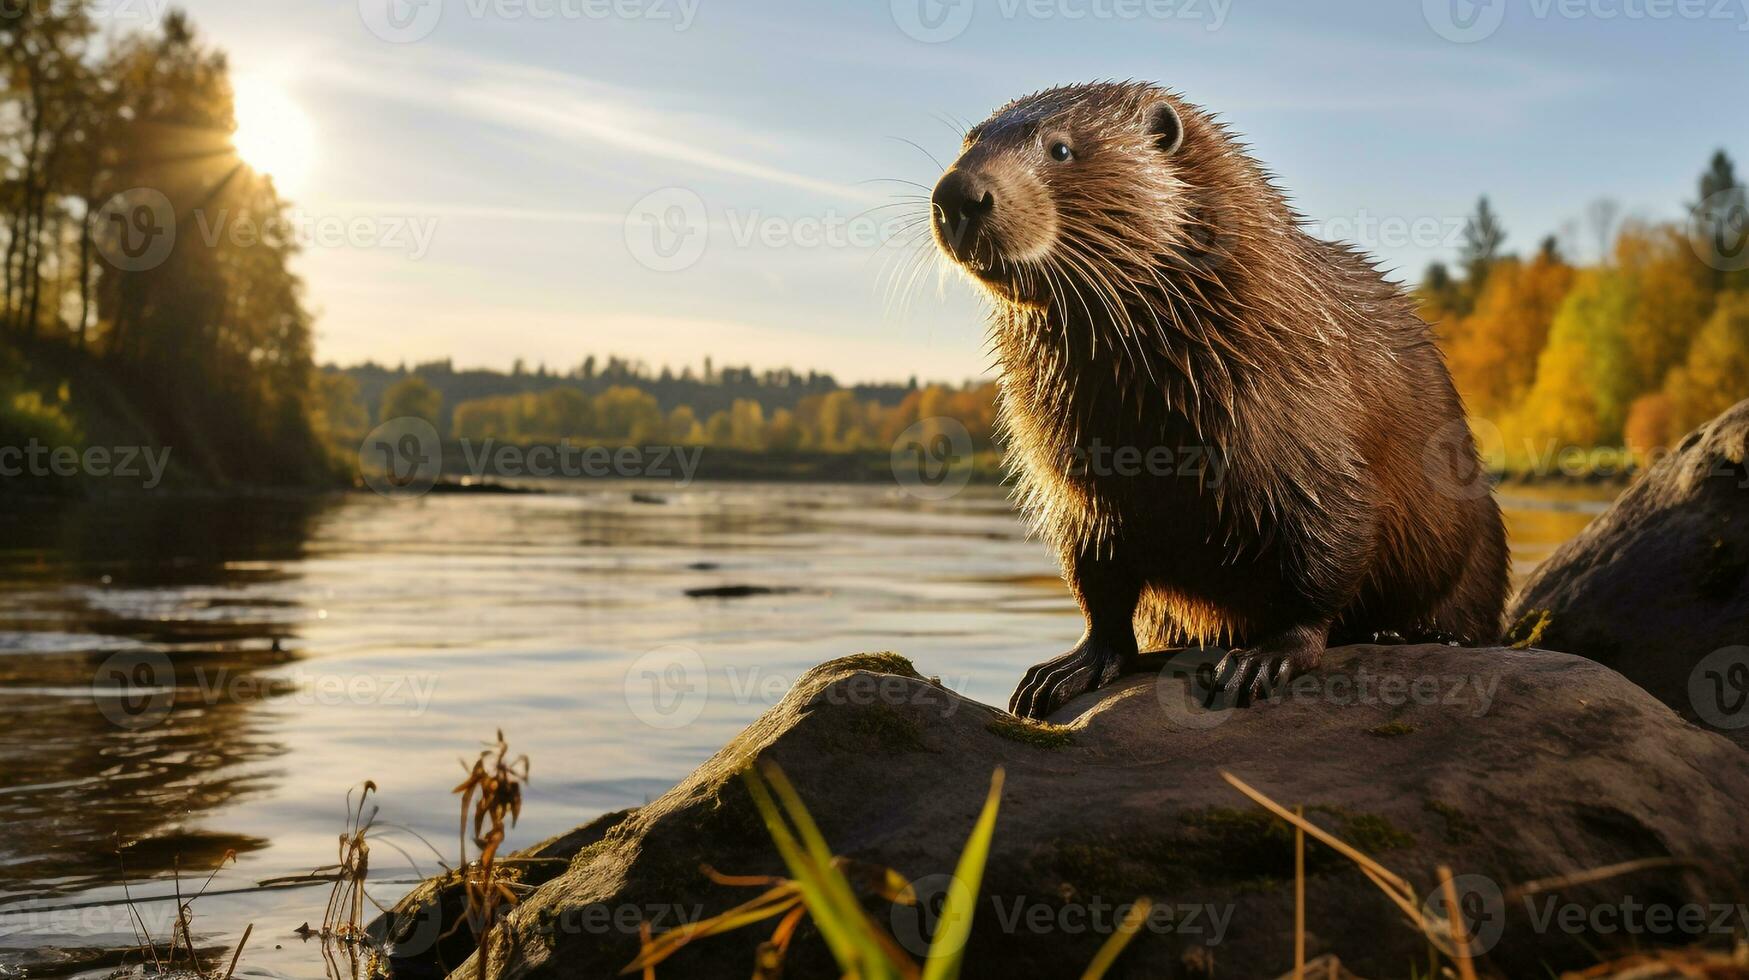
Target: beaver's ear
point(1164, 123)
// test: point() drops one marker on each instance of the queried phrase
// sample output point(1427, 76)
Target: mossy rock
point(1120, 797)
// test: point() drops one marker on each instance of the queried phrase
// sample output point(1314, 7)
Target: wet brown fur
point(1179, 304)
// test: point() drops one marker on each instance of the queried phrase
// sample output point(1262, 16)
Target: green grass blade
point(806, 875)
point(1114, 945)
point(842, 895)
point(948, 949)
point(832, 904)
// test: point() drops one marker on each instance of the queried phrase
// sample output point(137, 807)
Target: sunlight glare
point(274, 135)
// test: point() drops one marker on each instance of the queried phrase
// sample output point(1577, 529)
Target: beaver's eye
point(1060, 152)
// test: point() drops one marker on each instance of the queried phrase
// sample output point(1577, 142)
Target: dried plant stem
point(1460, 940)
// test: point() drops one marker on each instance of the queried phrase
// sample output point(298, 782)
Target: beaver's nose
point(962, 202)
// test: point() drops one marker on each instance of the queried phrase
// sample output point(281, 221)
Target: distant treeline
point(119, 324)
point(626, 404)
point(1636, 349)
point(708, 388)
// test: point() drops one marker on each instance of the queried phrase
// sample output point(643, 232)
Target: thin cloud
point(581, 111)
point(451, 210)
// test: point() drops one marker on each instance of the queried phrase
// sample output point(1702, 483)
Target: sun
point(274, 135)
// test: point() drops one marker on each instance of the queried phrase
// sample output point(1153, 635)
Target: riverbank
point(75, 424)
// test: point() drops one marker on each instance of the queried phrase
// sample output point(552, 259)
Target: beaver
point(1228, 430)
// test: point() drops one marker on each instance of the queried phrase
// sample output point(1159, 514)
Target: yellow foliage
point(1583, 383)
point(1672, 298)
point(1715, 374)
point(1493, 351)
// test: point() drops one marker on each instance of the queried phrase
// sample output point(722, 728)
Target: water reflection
point(89, 588)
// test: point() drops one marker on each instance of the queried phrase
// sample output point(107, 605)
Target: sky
point(493, 180)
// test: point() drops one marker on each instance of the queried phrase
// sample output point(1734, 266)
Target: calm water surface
point(201, 676)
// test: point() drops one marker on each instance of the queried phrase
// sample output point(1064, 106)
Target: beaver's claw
point(1244, 677)
point(1050, 685)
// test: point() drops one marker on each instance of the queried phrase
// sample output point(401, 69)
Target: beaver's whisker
point(919, 148)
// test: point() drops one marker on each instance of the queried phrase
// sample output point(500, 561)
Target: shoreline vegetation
point(121, 327)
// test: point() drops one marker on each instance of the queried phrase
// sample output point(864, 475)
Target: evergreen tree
point(1720, 220)
point(1483, 236)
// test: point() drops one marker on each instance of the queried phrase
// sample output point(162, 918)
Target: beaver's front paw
point(1050, 685)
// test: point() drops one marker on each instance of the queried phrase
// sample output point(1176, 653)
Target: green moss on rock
point(1038, 734)
point(1458, 828)
point(885, 662)
point(1369, 832)
point(1529, 629)
point(888, 728)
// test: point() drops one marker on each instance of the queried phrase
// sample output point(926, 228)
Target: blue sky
point(542, 143)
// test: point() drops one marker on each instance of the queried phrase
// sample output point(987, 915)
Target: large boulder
point(1510, 766)
point(1657, 587)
